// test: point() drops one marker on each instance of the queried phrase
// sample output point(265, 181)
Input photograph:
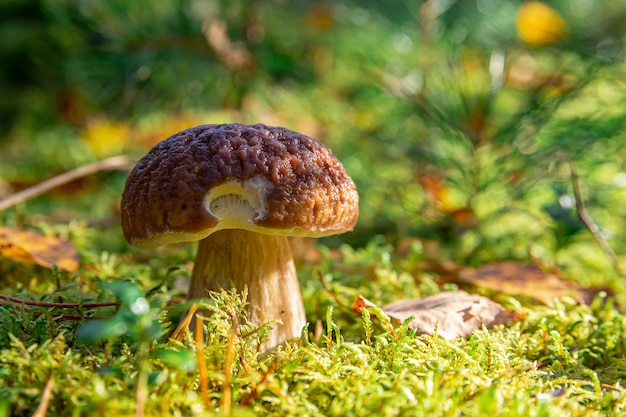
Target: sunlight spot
point(140, 306)
point(620, 179)
point(566, 201)
point(402, 43)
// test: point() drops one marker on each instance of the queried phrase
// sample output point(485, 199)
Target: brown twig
point(234, 55)
point(591, 224)
point(58, 305)
point(114, 163)
point(42, 408)
point(59, 316)
point(331, 293)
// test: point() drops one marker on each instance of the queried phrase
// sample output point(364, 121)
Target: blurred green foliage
point(454, 128)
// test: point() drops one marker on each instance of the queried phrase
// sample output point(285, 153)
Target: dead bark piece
point(450, 314)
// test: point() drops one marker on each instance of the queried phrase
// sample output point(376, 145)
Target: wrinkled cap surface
point(211, 177)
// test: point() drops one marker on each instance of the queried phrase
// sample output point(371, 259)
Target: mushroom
point(241, 191)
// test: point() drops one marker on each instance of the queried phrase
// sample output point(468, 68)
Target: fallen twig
point(17, 300)
point(114, 163)
point(331, 293)
point(591, 224)
point(42, 408)
point(59, 316)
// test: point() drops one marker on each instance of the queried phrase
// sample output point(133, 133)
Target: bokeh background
point(460, 121)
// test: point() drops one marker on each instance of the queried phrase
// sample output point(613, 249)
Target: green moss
point(564, 359)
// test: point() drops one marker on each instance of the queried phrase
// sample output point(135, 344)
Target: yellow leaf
point(539, 24)
point(105, 137)
point(31, 247)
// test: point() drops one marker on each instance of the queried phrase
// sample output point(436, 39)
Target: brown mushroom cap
point(211, 177)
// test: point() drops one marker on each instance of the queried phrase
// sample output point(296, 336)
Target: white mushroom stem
point(262, 263)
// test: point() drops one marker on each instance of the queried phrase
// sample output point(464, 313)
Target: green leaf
point(184, 360)
point(101, 330)
point(125, 291)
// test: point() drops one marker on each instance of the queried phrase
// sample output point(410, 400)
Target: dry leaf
point(32, 247)
point(526, 280)
point(451, 314)
point(361, 302)
point(443, 197)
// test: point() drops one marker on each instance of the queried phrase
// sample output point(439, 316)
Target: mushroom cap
point(264, 179)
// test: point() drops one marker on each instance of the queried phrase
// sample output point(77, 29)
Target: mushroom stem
point(263, 264)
